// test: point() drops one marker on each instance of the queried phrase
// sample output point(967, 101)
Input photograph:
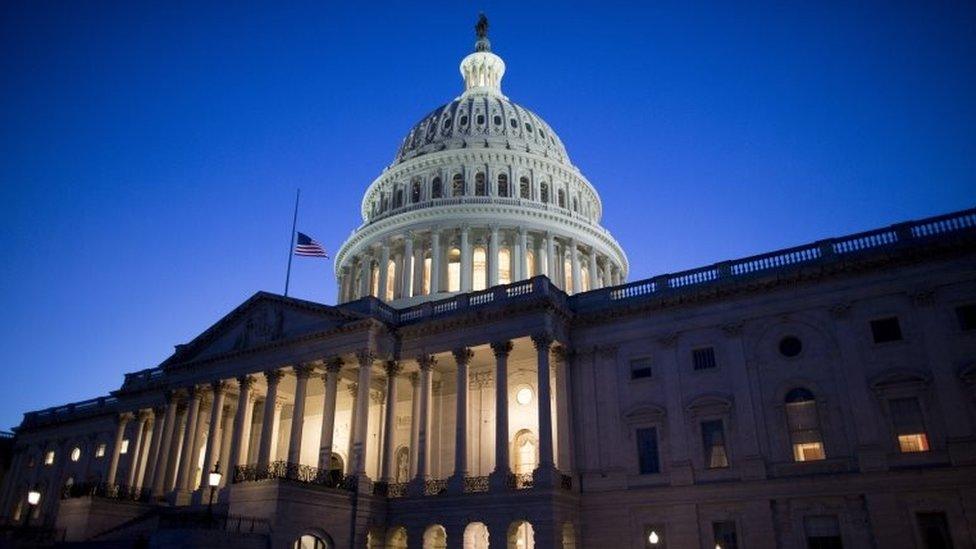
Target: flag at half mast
point(306, 246)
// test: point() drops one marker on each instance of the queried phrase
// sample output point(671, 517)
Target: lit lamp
point(33, 498)
point(213, 480)
point(653, 539)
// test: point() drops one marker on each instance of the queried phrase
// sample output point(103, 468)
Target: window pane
point(640, 368)
point(568, 275)
point(504, 266)
point(713, 443)
point(913, 443)
point(390, 280)
point(647, 450)
point(454, 271)
point(704, 359)
point(479, 261)
point(426, 276)
point(885, 330)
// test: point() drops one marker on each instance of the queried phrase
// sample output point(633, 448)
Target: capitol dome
point(481, 193)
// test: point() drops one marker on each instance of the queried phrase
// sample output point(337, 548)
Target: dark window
point(704, 358)
point(497, 120)
point(513, 122)
point(436, 189)
point(415, 192)
point(966, 314)
point(542, 134)
point(399, 198)
point(480, 189)
point(724, 533)
point(823, 532)
point(562, 198)
point(647, 451)
point(528, 127)
point(503, 184)
point(544, 192)
point(713, 442)
point(457, 185)
point(481, 119)
point(463, 121)
point(934, 528)
point(886, 329)
point(575, 205)
point(524, 189)
point(447, 123)
point(640, 368)
point(790, 346)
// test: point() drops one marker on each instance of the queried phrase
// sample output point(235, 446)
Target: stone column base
point(498, 481)
point(455, 484)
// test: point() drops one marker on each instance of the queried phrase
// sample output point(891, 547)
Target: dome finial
point(481, 30)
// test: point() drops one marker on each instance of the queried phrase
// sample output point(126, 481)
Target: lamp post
point(213, 480)
point(33, 498)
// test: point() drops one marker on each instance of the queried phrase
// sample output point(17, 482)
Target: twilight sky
point(150, 153)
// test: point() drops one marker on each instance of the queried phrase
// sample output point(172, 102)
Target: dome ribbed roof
point(483, 120)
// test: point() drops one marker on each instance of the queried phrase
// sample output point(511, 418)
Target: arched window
point(308, 541)
point(476, 536)
point(480, 188)
point(374, 280)
point(529, 264)
point(454, 270)
point(544, 192)
point(426, 281)
point(575, 205)
point(520, 535)
point(415, 191)
point(804, 424)
point(435, 537)
point(479, 269)
point(525, 191)
point(526, 452)
point(391, 280)
point(436, 188)
point(399, 199)
point(383, 202)
point(568, 275)
point(503, 185)
point(504, 266)
point(457, 185)
point(562, 198)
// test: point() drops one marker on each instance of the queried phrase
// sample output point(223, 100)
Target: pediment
point(709, 403)
point(645, 412)
point(899, 379)
point(263, 319)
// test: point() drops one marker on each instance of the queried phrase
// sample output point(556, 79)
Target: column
point(574, 261)
point(213, 435)
point(607, 280)
point(152, 460)
point(499, 477)
point(467, 267)
point(408, 266)
point(544, 474)
point(226, 435)
point(418, 270)
point(435, 261)
point(426, 363)
point(564, 426)
point(365, 271)
point(302, 373)
point(189, 436)
point(365, 357)
point(523, 265)
point(393, 369)
point(384, 269)
point(414, 421)
point(493, 257)
point(241, 425)
point(594, 271)
point(113, 466)
point(551, 259)
point(462, 357)
point(331, 380)
point(275, 428)
point(136, 449)
point(267, 427)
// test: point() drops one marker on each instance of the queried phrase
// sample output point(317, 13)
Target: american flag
point(308, 247)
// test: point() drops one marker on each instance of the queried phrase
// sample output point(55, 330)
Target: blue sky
point(151, 152)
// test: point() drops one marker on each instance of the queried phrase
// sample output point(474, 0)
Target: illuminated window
point(585, 280)
point(390, 280)
point(454, 270)
point(75, 453)
point(804, 424)
point(125, 446)
point(49, 457)
point(374, 286)
point(524, 396)
point(409, 290)
point(504, 266)
point(503, 185)
point(529, 264)
point(436, 188)
point(426, 283)
point(568, 275)
point(480, 188)
point(906, 416)
point(457, 185)
point(479, 269)
point(100, 450)
point(524, 188)
point(713, 442)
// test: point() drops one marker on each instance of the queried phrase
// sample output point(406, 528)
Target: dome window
point(575, 205)
point(513, 122)
point(544, 192)
point(480, 189)
point(497, 120)
point(562, 198)
point(415, 191)
point(463, 121)
point(447, 123)
point(436, 188)
point(398, 201)
point(528, 128)
point(524, 189)
point(457, 185)
point(481, 120)
point(503, 185)
point(542, 133)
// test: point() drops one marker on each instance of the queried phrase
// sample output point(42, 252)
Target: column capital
point(353, 389)
point(365, 357)
point(303, 370)
point(333, 365)
point(462, 355)
point(126, 417)
point(194, 392)
point(143, 415)
point(426, 362)
point(245, 382)
point(273, 376)
point(501, 348)
point(218, 386)
point(408, 234)
point(542, 340)
point(159, 410)
point(561, 353)
point(392, 367)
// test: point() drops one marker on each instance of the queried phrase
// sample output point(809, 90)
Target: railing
point(295, 472)
point(106, 491)
point(183, 520)
point(475, 484)
point(73, 410)
point(435, 486)
point(537, 286)
point(565, 482)
point(390, 489)
point(520, 481)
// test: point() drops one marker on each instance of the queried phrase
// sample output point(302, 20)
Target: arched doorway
point(520, 535)
point(476, 536)
point(336, 463)
point(396, 538)
point(526, 452)
point(435, 537)
point(315, 539)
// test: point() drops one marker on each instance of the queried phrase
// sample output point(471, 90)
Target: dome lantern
point(482, 70)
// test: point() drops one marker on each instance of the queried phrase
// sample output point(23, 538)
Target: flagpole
point(291, 240)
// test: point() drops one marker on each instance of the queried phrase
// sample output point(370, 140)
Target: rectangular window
point(100, 450)
point(49, 457)
point(640, 368)
point(906, 416)
point(713, 441)
point(966, 315)
point(823, 532)
point(805, 430)
point(647, 451)
point(724, 534)
point(704, 358)
point(934, 530)
point(886, 329)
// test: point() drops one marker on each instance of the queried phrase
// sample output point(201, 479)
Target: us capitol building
point(489, 378)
